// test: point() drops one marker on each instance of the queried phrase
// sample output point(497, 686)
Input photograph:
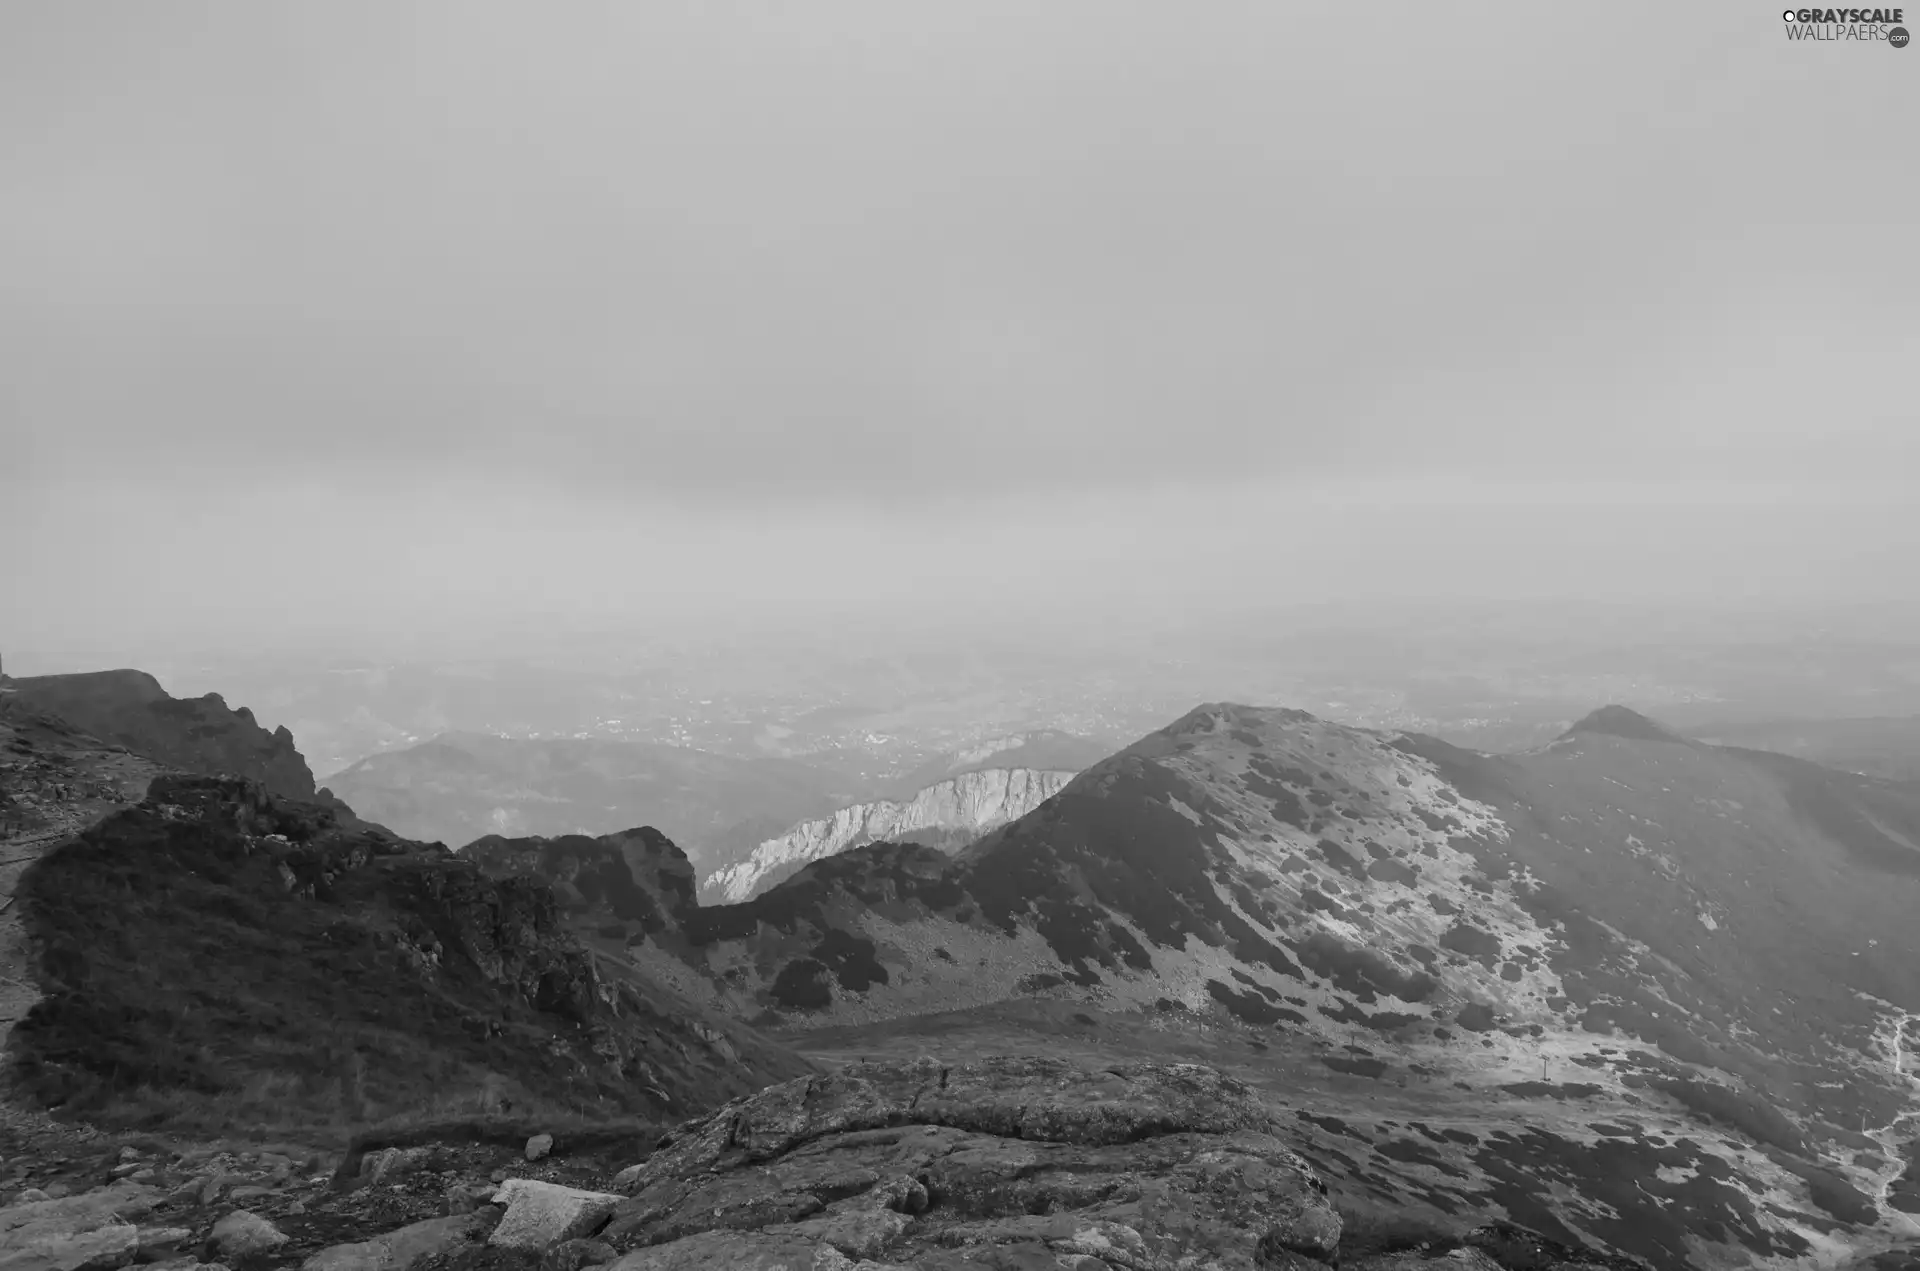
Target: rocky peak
point(1620, 721)
point(199, 734)
point(636, 876)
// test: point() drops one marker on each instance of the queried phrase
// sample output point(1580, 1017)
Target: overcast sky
point(374, 317)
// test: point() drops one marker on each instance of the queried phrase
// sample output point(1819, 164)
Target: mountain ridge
point(195, 734)
point(1438, 910)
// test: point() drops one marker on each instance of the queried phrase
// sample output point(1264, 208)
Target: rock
point(540, 1215)
point(158, 1243)
point(395, 1162)
point(538, 1146)
point(30, 1195)
point(1014, 1162)
point(396, 1250)
point(102, 1248)
point(90, 1232)
point(250, 1191)
point(573, 1255)
point(243, 1234)
point(739, 1251)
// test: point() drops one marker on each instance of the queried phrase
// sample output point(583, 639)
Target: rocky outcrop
point(637, 877)
point(1008, 1162)
point(215, 939)
point(958, 809)
point(194, 734)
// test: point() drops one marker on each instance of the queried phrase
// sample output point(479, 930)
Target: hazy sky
point(369, 317)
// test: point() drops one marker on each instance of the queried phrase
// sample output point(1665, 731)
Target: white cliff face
point(969, 805)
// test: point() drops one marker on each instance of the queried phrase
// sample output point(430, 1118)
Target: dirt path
point(54, 782)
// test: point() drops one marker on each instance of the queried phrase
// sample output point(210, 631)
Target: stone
point(737, 1251)
point(1008, 1162)
point(157, 1243)
point(540, 1215)
point(243, 1234)
point(249, 1191)
point(573, 1255)
point(394, 1162)
point(89, 1232)
point(396, 1250)
point(538, 1146)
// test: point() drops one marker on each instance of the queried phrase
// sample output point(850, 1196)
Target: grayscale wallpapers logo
point(1869, 25)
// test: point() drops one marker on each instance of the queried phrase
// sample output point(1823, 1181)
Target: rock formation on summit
point(192, 734)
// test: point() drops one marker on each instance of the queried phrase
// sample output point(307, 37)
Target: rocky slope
point(217, 955)
point(460, 787)
point(1005, 1163)
point(947, 814)
point(197, 734)
point(1694, 930)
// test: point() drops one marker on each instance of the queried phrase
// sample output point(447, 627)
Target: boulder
point(1007, 1162)
point(540, 1215)
point(243, 1234)
point(573, 1255)
point(88, 1232)
point(538, 1146)
point(396, 1250)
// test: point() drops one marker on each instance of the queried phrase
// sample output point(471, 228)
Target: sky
point(336, 321)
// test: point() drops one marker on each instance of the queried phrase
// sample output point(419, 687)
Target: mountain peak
point(1620, 721)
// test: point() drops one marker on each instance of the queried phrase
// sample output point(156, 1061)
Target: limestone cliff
point(946, 814)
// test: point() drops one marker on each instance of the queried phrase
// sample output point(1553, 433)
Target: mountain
point(462, 786)
point(197, 734)
point(219, 955)
point(1715, 942)
point(948, 814)
point(1887, 746)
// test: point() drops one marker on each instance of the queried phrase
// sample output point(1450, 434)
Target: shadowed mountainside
point(218, 955)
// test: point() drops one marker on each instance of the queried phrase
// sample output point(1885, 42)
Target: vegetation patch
point(802, 986)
